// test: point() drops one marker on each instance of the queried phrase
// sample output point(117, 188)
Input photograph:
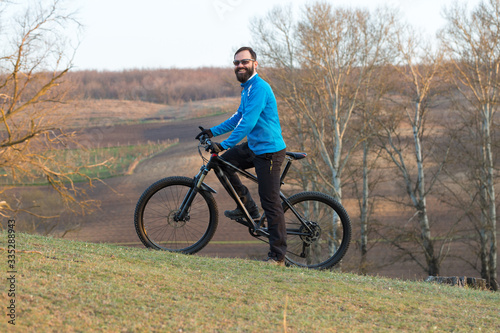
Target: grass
point(70, 286)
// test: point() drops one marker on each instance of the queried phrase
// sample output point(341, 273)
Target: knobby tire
point(155, 221)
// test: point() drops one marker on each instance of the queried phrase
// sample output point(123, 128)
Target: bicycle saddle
point(296, 156)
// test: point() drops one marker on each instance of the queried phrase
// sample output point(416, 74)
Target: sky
point(151, 34)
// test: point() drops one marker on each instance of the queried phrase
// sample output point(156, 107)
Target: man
point(257, 119)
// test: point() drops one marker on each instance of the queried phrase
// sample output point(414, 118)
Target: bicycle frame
point(218, 164)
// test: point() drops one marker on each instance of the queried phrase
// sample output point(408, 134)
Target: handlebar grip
point(205, 140)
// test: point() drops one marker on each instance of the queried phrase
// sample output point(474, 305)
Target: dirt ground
point(114, 223)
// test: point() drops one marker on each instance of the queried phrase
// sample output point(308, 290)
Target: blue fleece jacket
point(256, 118)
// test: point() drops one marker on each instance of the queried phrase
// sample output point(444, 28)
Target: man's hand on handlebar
point(206, 132)
point(204, 137)
point(214, 147)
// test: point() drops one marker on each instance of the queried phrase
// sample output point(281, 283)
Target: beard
point(244, 76)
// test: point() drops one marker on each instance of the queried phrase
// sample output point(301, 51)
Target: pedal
point(261, 232)
point(241, 221)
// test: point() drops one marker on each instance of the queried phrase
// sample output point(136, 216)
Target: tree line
point(164, 86)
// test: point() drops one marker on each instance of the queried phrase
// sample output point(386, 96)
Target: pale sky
point(131, 34)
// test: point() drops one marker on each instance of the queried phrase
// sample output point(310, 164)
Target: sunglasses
point(244, 62)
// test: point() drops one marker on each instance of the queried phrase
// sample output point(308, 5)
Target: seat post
point(285, 169)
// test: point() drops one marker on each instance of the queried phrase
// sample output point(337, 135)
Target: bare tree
point(365, 167)
point(402, 135)
point(35, 56)
point(472, 40)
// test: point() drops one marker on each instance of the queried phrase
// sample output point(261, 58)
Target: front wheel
point(157, 222)
point(318, 230)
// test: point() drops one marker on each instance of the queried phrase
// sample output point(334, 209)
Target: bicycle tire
point(332, 227)
point(154, 223)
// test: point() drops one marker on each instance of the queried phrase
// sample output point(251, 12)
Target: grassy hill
point(69, 286)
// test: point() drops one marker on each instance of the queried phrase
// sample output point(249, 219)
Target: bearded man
point(257, 120)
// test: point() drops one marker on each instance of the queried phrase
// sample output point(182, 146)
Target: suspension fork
point(188, 199)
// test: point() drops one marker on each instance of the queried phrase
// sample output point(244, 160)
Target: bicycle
point(179, 214)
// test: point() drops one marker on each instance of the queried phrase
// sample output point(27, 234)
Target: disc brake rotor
point(174, 222)
point(310, 236)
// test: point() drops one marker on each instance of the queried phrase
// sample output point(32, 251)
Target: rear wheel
point(324, 239)
point(158, 226)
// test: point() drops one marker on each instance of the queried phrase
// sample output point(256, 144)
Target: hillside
point(71, 286)
point(110, 123)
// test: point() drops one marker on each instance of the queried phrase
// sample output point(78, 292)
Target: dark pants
point(268, 170)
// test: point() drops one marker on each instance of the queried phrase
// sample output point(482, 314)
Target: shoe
point(238, 213)
point(273, 260)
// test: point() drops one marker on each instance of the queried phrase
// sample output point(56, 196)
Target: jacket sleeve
point(227, 125)
point(255, 104)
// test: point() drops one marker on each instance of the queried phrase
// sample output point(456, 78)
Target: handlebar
point(205, 141)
